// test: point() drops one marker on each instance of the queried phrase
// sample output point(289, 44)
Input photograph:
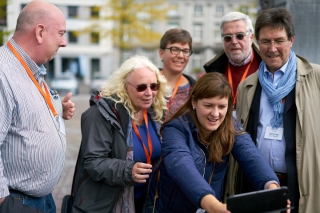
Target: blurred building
point(86, 53)
point(90, 53)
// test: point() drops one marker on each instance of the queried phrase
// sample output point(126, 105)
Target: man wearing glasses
point(240, 57)
point(279, 106)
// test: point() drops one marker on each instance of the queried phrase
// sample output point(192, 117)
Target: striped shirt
point(32, 147)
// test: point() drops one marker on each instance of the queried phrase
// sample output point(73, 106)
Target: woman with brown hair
point(196, 144)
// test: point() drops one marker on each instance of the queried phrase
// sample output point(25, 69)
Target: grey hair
point(235, 16)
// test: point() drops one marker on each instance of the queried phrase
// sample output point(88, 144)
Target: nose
point(63, 42)
point(234, 39)
point(148, 91)
point(272, 47)
point(180, 54)
point(214, 112)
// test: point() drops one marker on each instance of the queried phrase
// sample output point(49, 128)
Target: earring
point(194, 108)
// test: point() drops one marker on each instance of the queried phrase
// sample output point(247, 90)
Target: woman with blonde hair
point(120, 140)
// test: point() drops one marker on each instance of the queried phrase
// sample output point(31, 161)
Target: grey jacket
point(102, 170)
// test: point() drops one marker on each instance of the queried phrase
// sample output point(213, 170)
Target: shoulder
point(250, 80)
point(191, 80)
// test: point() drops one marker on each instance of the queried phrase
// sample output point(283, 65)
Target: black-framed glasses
point(176, 50)
point(239, 36)
point(143, 87)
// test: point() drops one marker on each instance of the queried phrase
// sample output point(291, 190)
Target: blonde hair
point(117, 82)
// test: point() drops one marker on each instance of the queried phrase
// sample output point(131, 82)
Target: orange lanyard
point(243, 77)
point(46, 94)
point(176, 87)
point(148, 154)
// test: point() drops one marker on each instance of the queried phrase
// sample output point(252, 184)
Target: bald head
point(36, 12)
point(39, 31)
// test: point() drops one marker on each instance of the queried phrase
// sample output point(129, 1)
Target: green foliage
point(132, 22)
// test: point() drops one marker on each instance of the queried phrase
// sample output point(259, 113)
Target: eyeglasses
point(239, 36)
point(176, 50)
point(277, 43)
point(143, 87)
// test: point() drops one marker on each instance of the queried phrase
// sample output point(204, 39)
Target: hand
point(68, 107)
point(1, 200)
point(212, 205)
point(141, 171)
point(288, 206)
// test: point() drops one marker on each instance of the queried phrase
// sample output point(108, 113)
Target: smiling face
point(211, 113)
point(144, 99)
point(237, 50)
point(171, 62)
point(274, 56)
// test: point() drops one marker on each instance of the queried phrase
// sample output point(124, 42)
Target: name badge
point(62, 125)
point(234, 113)
point(274, 134)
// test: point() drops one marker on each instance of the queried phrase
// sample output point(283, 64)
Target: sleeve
point(98, 146)
point(254, 166)
point(180, 164)
point(6, 115)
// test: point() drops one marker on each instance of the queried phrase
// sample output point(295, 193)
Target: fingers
point(67, 98)
point(140, 172)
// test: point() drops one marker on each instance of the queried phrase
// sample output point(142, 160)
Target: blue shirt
point(139, 154)
point(272, 150)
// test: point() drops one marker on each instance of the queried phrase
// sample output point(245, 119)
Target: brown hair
point(176, 35)
point(277, 18)
point(221, 140)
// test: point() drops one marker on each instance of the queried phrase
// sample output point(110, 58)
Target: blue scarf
point(275, 95)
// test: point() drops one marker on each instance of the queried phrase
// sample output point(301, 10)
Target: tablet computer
point(262, 201)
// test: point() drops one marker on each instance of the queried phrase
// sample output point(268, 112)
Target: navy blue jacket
point(183, 179)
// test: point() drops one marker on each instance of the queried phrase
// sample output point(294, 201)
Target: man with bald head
point(32, 131)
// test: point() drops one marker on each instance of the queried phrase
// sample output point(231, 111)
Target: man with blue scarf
point(279, 106)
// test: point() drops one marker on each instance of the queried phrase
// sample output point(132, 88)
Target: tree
point(3, 20)
point(132, 22)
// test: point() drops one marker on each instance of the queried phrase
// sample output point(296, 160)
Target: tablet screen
point(262, 201)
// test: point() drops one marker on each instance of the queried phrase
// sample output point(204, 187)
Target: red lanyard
point(173, 94)
point(243, 77)
point(46, 94)
point(148, 154)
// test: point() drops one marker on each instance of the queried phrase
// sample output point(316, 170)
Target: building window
point(197, 32)
point(95, 37)
point(73, 36)
point(219, 10)
point(198, 10)
point(172, 10)
point(72, 11)
point(23, 5)
point(95, 12)
point(172, 25)
point(95, 66)
point(197, 64)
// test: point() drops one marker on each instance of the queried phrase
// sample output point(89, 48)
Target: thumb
point(68, 97)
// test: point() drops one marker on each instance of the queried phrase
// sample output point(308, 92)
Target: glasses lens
point(227, 38)
point(141, 87)
point(240, 36)
point(175, 50)
point(154, 86)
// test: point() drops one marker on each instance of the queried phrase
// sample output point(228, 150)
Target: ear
point(40, 31)
point(161, 51)
point(193, 103)
point(292, 40)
